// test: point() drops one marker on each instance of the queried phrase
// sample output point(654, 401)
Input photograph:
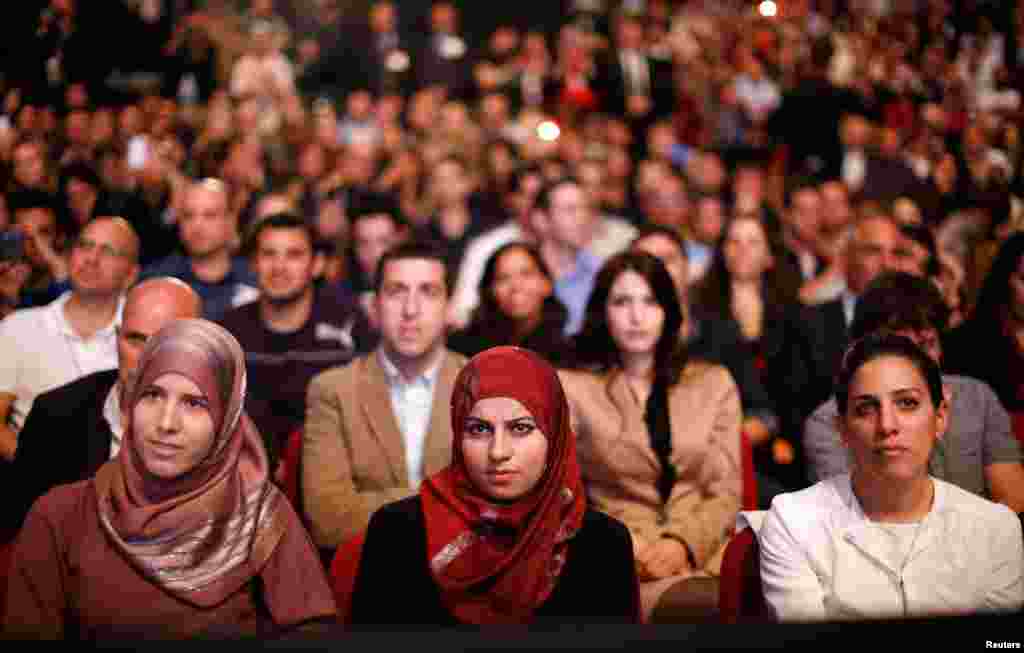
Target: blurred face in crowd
point(805, 215)
point(102, 127)
point(571, 220)
point(104, 258)
point(372, 235)
point(29, 164)
point(382, 17)
point(748, 189)
point(444, 18)
point(450, 185)
point(708, 219)
point(206, 226)
point(836, 211)
point(285, 264)
point(504, 451)
point(36, 222)
point(671, 256)
point(746, 250)
point(411, 307)
point(129, 122)
point(635, 318)
point(76, 127)
point(520, 287)
point(149, 307)
point(668, 205)
point(872, 250)
point(311, 164)
point(911, 257)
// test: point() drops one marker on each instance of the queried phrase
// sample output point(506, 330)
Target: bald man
point(75, 428)
point(74, 335)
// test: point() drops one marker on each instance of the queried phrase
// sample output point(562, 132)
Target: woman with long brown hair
point(659, 434)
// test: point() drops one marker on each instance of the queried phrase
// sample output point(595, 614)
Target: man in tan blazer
point(378, 426)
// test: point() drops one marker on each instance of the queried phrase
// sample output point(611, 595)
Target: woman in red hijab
point(183, 533)
point(502, 535)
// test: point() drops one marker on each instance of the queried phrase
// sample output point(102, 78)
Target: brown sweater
point(68, 581)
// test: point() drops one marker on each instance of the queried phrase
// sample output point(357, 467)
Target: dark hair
point(923, 236)
point(650, 230)
point(781, 281)
point(899, 301)
point(488, 318)
point(365, 203)
point(415, 249)
point(278, 221)
point(994, 297)
point(83, 172)
point(544, 196)
point(878, 345)
point(594, 347)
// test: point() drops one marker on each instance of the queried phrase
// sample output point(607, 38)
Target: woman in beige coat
point(659, 435)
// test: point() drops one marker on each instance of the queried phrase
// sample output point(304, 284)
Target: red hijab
point(497, 562)
point(204, 535)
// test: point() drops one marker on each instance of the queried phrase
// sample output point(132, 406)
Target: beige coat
point(353, 453)
point(621, 469)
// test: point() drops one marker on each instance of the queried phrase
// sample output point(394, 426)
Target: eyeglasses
point(106, 250)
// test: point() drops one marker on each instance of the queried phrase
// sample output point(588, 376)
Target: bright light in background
point(548, 131)
point(768, 9)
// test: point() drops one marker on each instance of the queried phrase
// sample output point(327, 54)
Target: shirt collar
point(60, 320)
point(112, 413)
point(394, 376)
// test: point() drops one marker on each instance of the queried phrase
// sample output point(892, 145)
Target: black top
point(598, 583)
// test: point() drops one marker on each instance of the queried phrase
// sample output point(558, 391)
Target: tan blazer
point(353, 453)
point(621, 469)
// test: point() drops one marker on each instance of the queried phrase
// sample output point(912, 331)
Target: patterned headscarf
point(497, 562)
point(203, 535)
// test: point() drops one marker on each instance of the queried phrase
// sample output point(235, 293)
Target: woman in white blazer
point(888, 540)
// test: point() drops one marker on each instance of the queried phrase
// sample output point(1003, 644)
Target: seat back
point(6, 549)
point(292, 457)
point(740, 598)
point(344, 568)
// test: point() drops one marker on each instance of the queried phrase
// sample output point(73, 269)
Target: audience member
point(295, 330)
point(502, 535)
point(659, 434)
point(208, 233)
point(185, 522)
point(888, 540)
point(73, 336)
point(378, 426)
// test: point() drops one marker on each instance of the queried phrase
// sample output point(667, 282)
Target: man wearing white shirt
point(74, 335)
point(82, 419)
point(375, 428)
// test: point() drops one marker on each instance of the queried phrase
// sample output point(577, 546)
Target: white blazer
point(823, 559)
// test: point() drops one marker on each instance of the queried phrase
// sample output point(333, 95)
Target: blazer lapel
point(437, 449)
point(376, 403)
point(625, 403)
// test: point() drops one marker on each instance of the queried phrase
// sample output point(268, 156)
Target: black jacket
point(65, 439)
point(394, 584)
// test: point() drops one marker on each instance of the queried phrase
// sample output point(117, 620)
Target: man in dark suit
point(75, 428)
point(632, 83)
point(873, 249)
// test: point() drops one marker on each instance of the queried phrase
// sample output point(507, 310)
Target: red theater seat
point(343, 572)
